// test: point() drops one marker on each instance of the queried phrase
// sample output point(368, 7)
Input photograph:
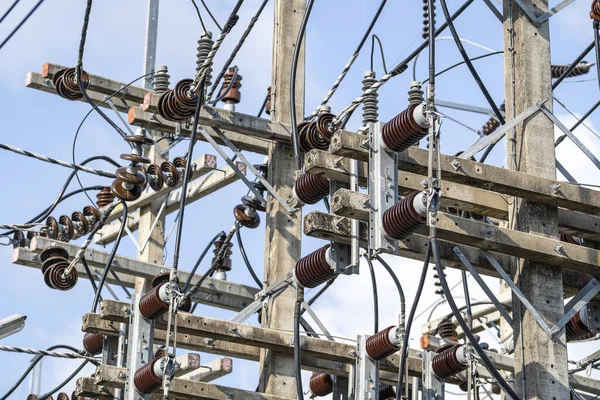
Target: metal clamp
point(580, 300)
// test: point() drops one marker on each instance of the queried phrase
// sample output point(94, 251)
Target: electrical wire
point(574, 64)
point(373, 37)
point(111, 257)
point(462, 62)
point(88, 272)
point(29, 14)
point(398, 287)
point(193, 271)
point(199, 15)
point(264, 105)
point(467, 299)
point(224, 92)
point(411, 317)
point(375, 295)
point(245, 257)
point(211, 15)
point(67, 380)
point(9, 10)
point(597, 45)
point(297, 355)
point(296, 56)
point(488, 363)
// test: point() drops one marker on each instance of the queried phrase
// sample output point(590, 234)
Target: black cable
point(111, 257)
point(297, 356)
point(375, 295)
point(467, 299)
point(597, 45)
point(297, 47)
point(211, 15)
point(264, 105)
point(326, 203)
point(224, 92)
point(238, 235)
point(120, 282)
point(396, 282)
point(69, 378)
point(409, 321)
point(472, 69)
point(88, 272)
point(33, 363)
point(199, 15)
point(462, 62)
point(9, 10)
point(29, 14)
point(373, 52)
point(199, 260)
point(573, 65)
point(489, 365)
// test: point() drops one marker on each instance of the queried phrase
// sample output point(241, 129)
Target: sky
point(46, 124)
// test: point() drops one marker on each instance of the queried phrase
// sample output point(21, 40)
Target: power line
point(29, 14)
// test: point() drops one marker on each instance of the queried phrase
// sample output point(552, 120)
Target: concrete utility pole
point(283, 231)
point(540, 364)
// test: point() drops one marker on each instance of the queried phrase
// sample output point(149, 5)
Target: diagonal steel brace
point(539, 19)
point(576, 304)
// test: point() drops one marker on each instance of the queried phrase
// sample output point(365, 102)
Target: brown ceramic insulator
point(105, 197)
point(320, 384)
point(595, 11)
point(490, 126)
point(447, 330)
point(160, 353)
point(32, 234)
point(310, 189)
point(145, 380)
point(126, 194)
point(577, 330)
point(66, 85)
point(81, 224)
point(62, 396)
point(171, 175)
point(314, 269)
point(51, 262)
point(181, 164)
point(68, 230)
point(151, 305)
point(325, 125)
point(233, 95)
point(401, 220)
point(580, 69)
point(161, 278)
point(446, 364)
point(56, 279)
point(402, 131)
point(93, 342)
point(379, 346)
point(138, 141)
point(386, 391)
point(19, 239)
point(52, 225)
point(75, 397)
point(568, 239)
point(155, 177)
point(239, 212)
point(309, 138)
point(92, 213)
point(268, 106)
point(32, 397)
point(53, 251)
point(496, 388)
point(178, 104)
point(134, 158)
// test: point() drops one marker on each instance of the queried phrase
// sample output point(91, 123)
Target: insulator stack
point(437, 283)
point(160, 353)
point(148, 378)
point(496, 388)
point(426, 11)
point(405, 217)
point(370, 103)
point(68, 229)
point(269, 102)
point(55, 260)
point(447, 330)
point(52, 231)
point(492, 124)
point(386, 391)
point(320, 384)
point(406, 128)
point(576, 329)
point(325, 125)
point(309, 138)
point(450, 361)
point(205, 44)
point(224, 262)
point(155, 177)
point(232, 95)
point(383, 344)
point(170, 173)
point(161, 79)
point(310, 189)
point(19, 239)
point(93, 342)
point(245, 214)
point(62, 396)
point(66, 84)
point(580, 69)
point(178, 104)
point(105, 197)
point(314, 269)
point(180, 164)
point(595, 12)
point(156, 302)
point(415, 93)
point(131, 180)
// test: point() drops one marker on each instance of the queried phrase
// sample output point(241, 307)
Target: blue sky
point(45, 123)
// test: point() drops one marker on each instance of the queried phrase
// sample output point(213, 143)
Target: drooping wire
point(199, 261)
point(462, 62)
point(373, 38)
point(111, 257)
point(375, 295)
point(245, 257)
point(296, 56)
point(29, 14)
point(88, 272)
point(199, 15)
point(67, 380)
point(9, 10)
point(211, 15)
point(597, 45)
point(297, 354)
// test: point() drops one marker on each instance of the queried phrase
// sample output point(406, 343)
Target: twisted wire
point(237, 48)
point(55, 161)
point(26, 350)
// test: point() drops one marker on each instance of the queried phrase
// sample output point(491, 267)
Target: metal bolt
point(365, 144)
point(352, 353)
point(487, 231)
point(234, 330)
point(121, 375)
point(559, 248)
point(556, 188)
point(424, 183)
point(455, 164)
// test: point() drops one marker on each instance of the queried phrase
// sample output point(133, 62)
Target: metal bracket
point(499, 134)
point(574, 305)
point(157, 218)
point(383, 189)
point(537, 20)
point(483, 285)
point(139, 347)
point(433, 387)
point(340, 253)
point(261, 298)
point(366, 376)
point(312, 314)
